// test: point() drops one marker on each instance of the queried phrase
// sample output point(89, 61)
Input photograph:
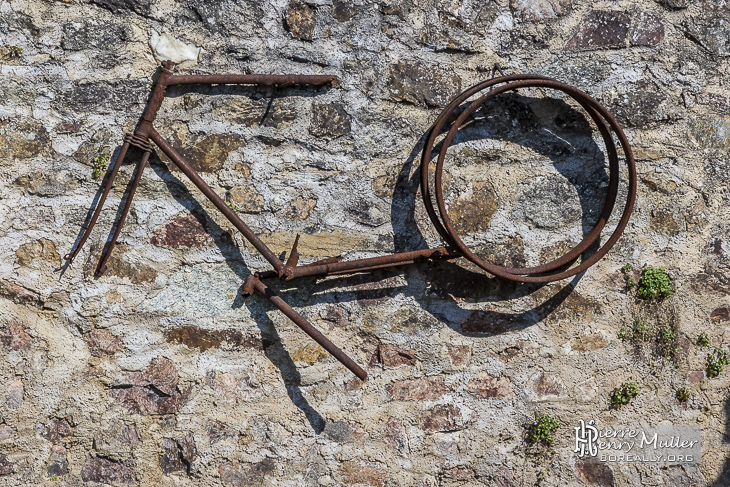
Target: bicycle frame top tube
point(166, 79)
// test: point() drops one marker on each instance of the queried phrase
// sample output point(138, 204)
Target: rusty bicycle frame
point(455, 248)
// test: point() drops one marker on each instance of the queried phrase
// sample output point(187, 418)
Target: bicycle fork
point(129, 140)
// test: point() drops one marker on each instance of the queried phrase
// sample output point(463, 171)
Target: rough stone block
point(300, 20)
point(601, 29)
point(105, 471)
point(14, 337)
point(418, 83)
point(425, 388)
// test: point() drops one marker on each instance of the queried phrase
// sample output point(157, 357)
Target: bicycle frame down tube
point(217, 201)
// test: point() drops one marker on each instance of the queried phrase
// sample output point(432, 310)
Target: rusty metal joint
point(248, 285)
point(139, 142)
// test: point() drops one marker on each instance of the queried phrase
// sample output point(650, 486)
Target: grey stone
point(48, 183)
point(22, 139)
point(710, 132)
point(205, 154)
point(400, 11)
point(6, 433)
point(711, 32)
point(681, 476)
point(418, 83)
point(237, 18)
point(19, 22)
point(393, 135)
point(343, 11)
point(713, 100)
point(141, 7)
point(246, 474)
point(364, 211)
point(535, 10)
point(329, 120)
point(548, 202)
point(105, 96)
point(675, 4)
point(715, 5)
point(271, 112)
point(339, 431)
point(117, 441)
point(503, 477)
point(93, 34)
point(14, 393)
point(639, 105)
point(446, 39)
point(16, 93)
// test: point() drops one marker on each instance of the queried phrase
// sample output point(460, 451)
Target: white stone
point(167, 48)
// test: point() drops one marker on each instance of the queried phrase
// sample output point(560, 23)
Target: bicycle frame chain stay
point(454, 248)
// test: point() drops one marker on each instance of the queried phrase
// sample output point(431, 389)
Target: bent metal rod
point(454, 246)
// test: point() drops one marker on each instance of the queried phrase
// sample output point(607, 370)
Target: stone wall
point(160, 373)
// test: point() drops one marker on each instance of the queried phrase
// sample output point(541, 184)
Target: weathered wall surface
point(160, 373)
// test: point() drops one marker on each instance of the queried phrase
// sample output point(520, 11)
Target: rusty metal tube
point(374, 262)
point(334, 266)
point(115, 169)
point(217, 201)
point(252, 79)
point(158, 93)
point(253, 283)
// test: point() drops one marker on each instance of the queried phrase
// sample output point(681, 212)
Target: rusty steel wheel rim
point(604, 121)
